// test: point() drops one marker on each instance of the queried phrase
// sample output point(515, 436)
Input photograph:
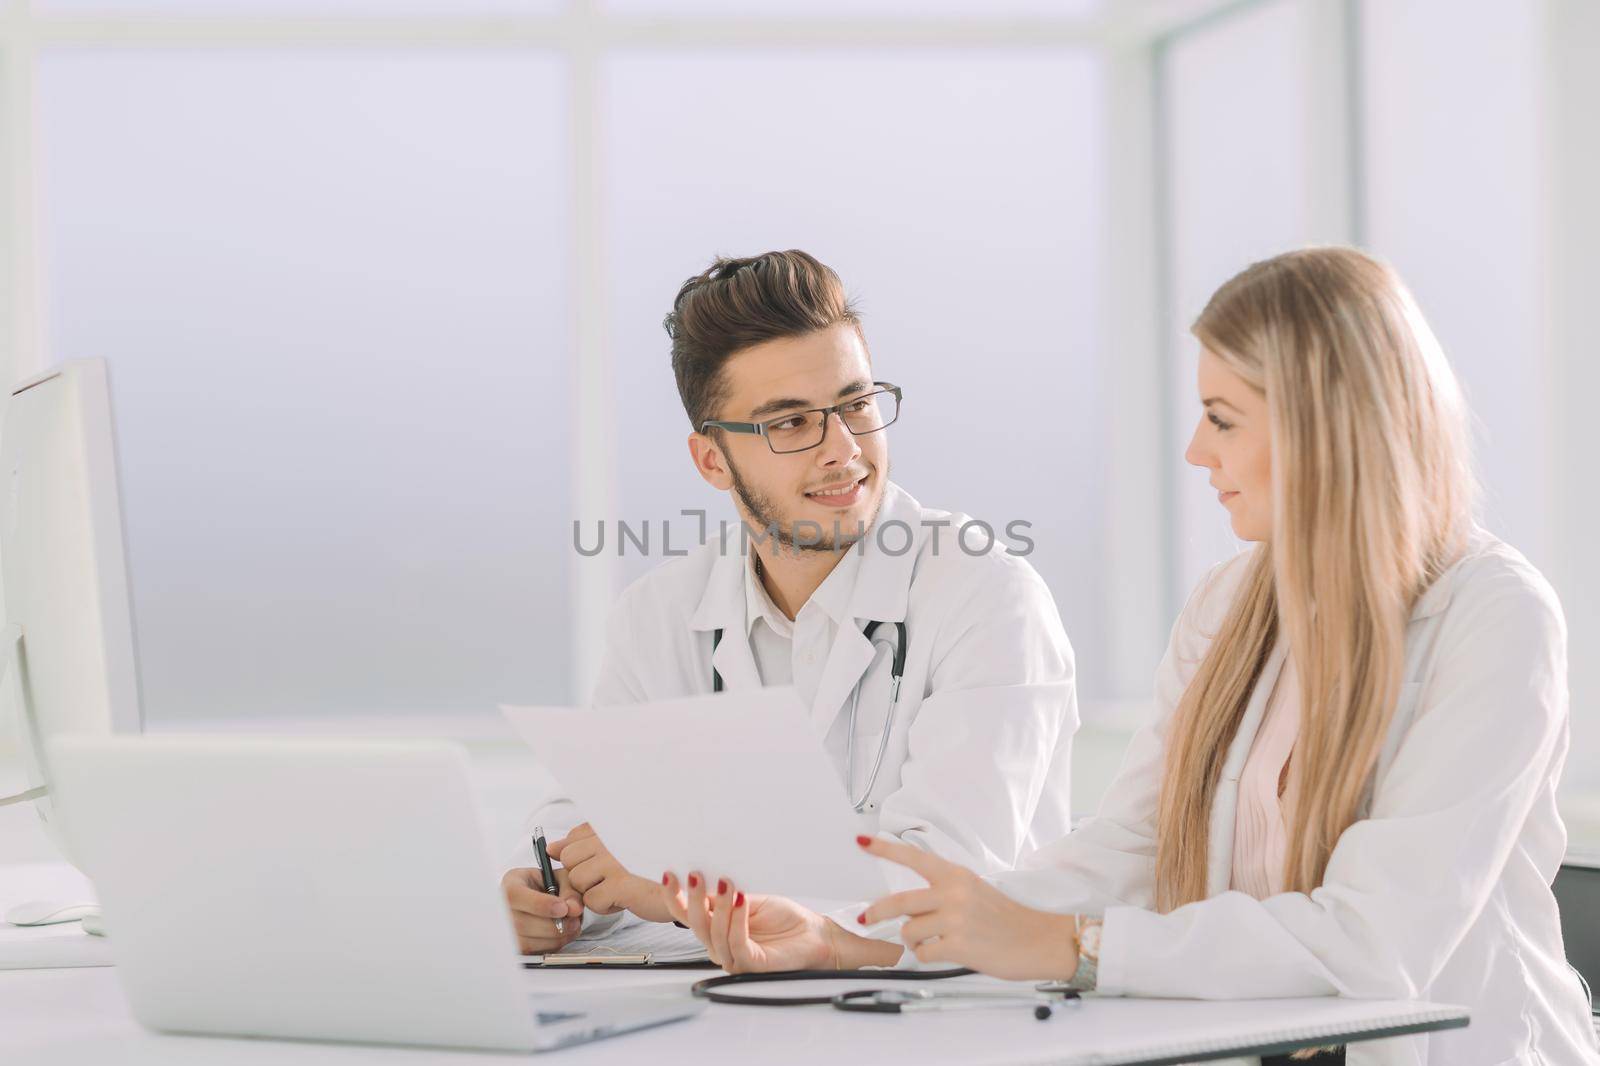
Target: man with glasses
point(931, 658)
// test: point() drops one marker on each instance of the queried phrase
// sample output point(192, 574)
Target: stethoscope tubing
point(1044, 1000)
point(708, 989)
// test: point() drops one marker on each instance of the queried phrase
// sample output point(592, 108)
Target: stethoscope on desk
point(1045, 998)
point(897, 669)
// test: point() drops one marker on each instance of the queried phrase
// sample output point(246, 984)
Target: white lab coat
point(1442, 890)
point(978, 761)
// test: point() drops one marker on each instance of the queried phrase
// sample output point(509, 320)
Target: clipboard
point(617, 960)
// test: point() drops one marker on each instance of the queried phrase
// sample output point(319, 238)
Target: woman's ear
point(709, 462)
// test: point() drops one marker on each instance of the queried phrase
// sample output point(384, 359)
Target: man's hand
point(604, 885)
point(534, 911)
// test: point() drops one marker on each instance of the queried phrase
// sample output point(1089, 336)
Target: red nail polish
point(863, 841)
point(722, 887)
point(666, 878)
point(862, 917)
point(694, 882)
point(738, 901)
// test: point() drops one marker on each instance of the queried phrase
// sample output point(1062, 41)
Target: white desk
point(73, 1017)
point(78, 1017)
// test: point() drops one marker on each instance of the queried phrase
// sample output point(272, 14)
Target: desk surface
point(67, 1017)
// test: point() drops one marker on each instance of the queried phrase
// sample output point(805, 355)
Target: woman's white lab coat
point(1440, 892)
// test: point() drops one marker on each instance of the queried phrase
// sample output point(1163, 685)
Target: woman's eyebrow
point(1209, 400)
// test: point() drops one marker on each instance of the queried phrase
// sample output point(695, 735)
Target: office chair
point(1577, 889)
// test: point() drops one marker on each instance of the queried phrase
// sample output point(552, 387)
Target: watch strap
point(1087, 975)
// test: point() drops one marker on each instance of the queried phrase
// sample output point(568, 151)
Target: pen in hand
point(546, 872)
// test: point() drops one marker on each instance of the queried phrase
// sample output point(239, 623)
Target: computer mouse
point(48, 912)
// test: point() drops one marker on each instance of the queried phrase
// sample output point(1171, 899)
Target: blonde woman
point(1348, 786)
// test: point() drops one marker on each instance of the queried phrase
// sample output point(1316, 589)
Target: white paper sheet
point(732, 785)
point(663, 942)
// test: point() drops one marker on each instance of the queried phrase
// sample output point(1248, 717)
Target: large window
point(382, 286)
point(381, 283)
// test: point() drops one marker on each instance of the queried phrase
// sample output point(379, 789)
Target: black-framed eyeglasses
point(800, 431)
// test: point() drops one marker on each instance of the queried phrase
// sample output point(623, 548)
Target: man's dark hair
point(736, 303)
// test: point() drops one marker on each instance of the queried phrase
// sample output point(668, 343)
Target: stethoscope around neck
point(897, 670)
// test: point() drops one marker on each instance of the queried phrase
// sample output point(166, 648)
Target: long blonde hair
point(1373, 498)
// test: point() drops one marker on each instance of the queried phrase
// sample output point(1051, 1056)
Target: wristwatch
point(1086, 930)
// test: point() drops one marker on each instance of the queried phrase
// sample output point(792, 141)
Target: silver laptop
point(313, 889)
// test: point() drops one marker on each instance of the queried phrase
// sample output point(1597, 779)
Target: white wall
point(1475, 159)
point(294, 7)
point(857, 8)
point(1571, 224)
point(1453, 188)
point(957, 193)
point(336, 288)
point(331, 289)
point(1237, 101)
point(1479, 134)
point(305, 220)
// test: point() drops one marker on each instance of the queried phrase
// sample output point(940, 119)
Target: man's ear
point(709, 461)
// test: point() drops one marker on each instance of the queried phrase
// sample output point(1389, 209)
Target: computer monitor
point(68, 648)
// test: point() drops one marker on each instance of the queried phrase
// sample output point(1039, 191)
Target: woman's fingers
point(743, 954)
point(721, 909)
point(673, 894)
point(924, 928)
point(930, 866)
point(696, 919)
point(916, 901)
point(935, 950)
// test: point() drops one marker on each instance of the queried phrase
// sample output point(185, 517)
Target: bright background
point(381, 285)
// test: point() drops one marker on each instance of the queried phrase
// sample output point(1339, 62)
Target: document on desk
point(662, 942)
point(732, 785)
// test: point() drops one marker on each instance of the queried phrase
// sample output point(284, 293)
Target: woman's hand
point(765, 933)
point(963, 920)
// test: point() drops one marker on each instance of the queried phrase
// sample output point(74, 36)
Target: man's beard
point(764, 513)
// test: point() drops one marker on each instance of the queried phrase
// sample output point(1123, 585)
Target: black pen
point(546, 872)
